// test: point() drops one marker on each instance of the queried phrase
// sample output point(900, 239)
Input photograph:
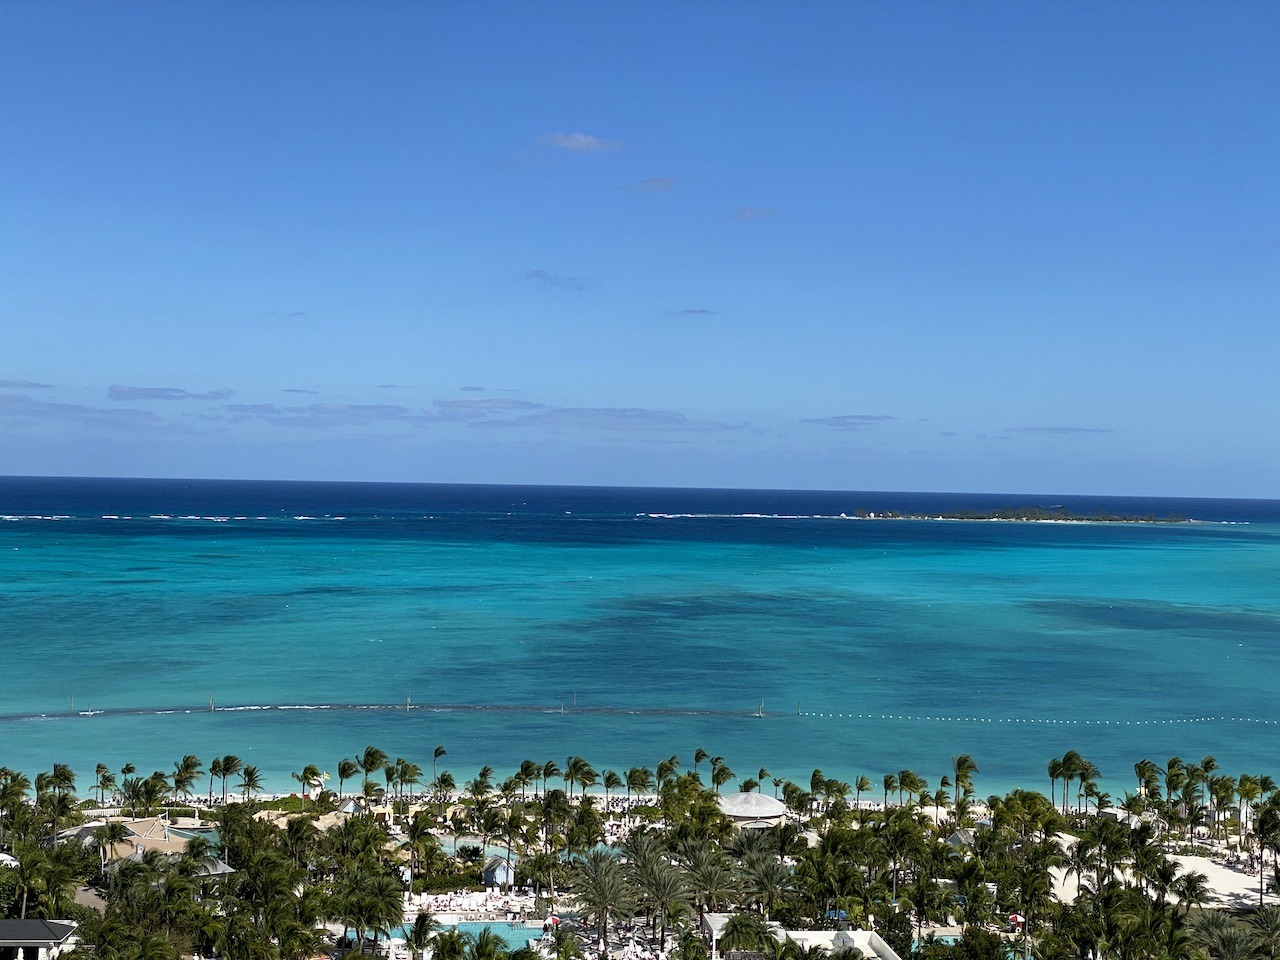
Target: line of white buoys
point(1045, 720)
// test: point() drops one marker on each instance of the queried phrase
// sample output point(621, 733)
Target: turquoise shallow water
point(540, 623)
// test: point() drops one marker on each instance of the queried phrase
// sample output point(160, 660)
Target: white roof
point(865, 942)
point(751, 806)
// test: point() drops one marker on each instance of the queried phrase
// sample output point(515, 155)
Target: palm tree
point(231, 765)
point(105, 780)
point(185, 773)
point(450, 944)
point(720, 775)
point(860, 786)
point(1055, 774)
point(767, 880)
point(661, 889)
point(1266, 927)
point(371, 761)
point(611, 782)
point(308, 777)
point(347, 768)
point(487, 945)
point(250, 781)
point(599, 884)
point(711, 877)
point(698, 756)
point(667, 769)
point(1175, 777)
point(1192, 889)
point(1266, 826)
point(639, 779)
point(963, 768)
point(549, 769)
point(215, 772)
point(745, 931)
point(910, 783)
point(890, 783)
point(106, 838)
point(418, 937)
point(409, 775)
point(580, 772)
point(436, 754)
point(444, 785)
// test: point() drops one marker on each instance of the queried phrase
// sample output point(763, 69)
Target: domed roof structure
point(753, 807)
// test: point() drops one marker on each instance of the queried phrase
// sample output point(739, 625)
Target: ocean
point(296, 623)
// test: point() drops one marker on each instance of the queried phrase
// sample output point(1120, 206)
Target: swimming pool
point(514, 935)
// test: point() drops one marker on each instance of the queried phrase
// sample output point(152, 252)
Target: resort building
point(753, 811)
point(36, 939)
point(867, 943)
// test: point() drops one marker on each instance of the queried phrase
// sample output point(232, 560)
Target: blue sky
point(922, 246)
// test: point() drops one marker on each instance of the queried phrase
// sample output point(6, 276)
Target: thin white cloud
point(556, 280)
point(322, 415)
point(118, 391)
point(615, 419)
point(1060, 431)
point(482, 406)
point(850, 421)
point(749, 214)
point(653, 185)
point(580, 143)
point(22, 407)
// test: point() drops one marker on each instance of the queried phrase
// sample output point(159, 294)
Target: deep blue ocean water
point(627, 625)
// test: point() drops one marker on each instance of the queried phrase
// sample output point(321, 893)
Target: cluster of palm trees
point(1070, 768)
point(146, 796)
point(1190, 795)
point(905, 865)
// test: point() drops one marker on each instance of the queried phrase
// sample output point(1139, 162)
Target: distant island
point(1026, 514)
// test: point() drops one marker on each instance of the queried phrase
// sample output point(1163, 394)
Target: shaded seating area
point(35, 939)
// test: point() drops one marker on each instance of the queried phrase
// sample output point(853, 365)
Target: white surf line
point(1048, 721)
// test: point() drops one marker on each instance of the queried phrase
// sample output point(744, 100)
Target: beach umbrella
point(1017, 918)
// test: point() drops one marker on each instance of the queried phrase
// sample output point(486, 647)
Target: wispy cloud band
point(580, 143)
point(119, 391)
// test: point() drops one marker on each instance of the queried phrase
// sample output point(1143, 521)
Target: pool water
point(514, 935)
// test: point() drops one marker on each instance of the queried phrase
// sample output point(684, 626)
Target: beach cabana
point(1119, 814)
point(753, 811)
point(499, 873)
point(35, 939)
